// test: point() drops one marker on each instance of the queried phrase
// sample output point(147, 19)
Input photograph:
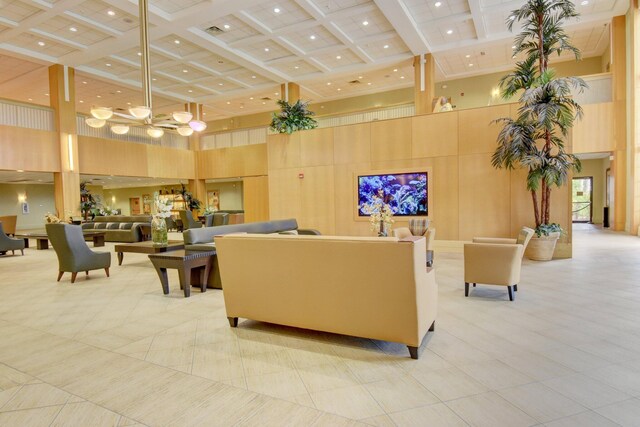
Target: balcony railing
point(26, 115)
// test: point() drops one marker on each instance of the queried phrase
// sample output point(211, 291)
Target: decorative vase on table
point(159, 235)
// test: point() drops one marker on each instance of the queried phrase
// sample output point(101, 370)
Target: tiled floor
point(117, 352)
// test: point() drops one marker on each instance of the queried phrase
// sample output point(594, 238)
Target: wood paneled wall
point(108, 157)
point(311, 175)
point(29, 149)
point(247, 160)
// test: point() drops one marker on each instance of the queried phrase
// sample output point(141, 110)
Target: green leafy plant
point(87, 202)
point(292, 118)
point(546, 229)
point(191, 202)
point(535, 139)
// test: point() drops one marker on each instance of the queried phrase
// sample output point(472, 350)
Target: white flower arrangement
point(163, 206)
point(380, 213)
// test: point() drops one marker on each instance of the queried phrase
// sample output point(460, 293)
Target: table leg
point(120, 257)
point(184, 273)
point(98, 241)
point(164, 279)
point(26, 242)
point(43, 244)
point(198, 277)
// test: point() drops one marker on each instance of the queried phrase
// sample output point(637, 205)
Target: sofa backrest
point(363, 286)
point(207, 234)
point(123, 218)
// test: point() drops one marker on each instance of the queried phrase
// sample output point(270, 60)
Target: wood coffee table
point(95, 235)
point(193, 268)
point(146, 248)
point(43, 240)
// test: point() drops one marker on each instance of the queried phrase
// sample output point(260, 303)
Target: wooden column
point(634, 123)
point(62, 94)
point(290, 92)
point(619, 163)
point(425, 83)
point(198, 185)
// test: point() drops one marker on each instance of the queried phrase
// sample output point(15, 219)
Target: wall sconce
point(22, 198)
point(495, 92)
point(70, 151)
point(113, 199)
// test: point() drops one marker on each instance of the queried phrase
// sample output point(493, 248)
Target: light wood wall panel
point(346, 197)
point(435, 135)
point(594, 133)
point(316, 148)
point(283, 151)
point(29, 149)
point(108, 157)
point(284, 194)
point(256, 198)
point(476, 132)
point(247, 160)
point(352, 144)
point(485, 198)
point(317, 200)
point(164, 162)
point(391, 140)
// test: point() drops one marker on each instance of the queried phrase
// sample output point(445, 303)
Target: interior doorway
point(582, 199)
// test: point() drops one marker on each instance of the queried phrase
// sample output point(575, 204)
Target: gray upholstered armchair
point(220, 218)
point(187, 220)
point(9, 243)
point(73, 253)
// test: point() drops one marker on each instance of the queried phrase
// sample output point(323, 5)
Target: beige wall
point(122, 196)
point(469, 197)
point(596, 168)
point(40, 198)
point(230, 194)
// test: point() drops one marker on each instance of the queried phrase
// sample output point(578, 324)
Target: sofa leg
point(86, 272)
point(106, 270)
point(414, 352)
point(60, 273)
point(510, 289)
point(474, 285)
point(233, 322)
point(432, 327)
point(73, 276)
point(515, 287)
point(22, 252)
point(466, 289)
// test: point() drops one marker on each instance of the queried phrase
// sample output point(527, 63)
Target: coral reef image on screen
point(406, 192)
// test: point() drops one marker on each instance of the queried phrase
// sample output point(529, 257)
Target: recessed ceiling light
point(437, 4)
point(46, 94)
point(139, 53)
point(99, 96)
point(19, 170)
point(251, 98)
point(176, 41)
point(263, 102)
point(328, 83)
point(512, 17)
point(584, 3)
point(227, 26)
point(128, 103)
point(276, 10)
point(360, 77)
point(444, 86)
point(369, 84)
point(467, 56)
point(41, 43)
point(30, 99)
point(276, 94)
point(266, 49)
point(118, 91)
point(84, 83)
point(107, 64)
point(242, 106)
point(253, 77)
point(386, 46)
point(154, 79)
point(228, 102)
point(81, 101)
point(185, 71)
point(312, 37)
point(449, 31)
point(111, 13)
point(470, 65)
point(395, 70)
point(220, 84)
point(204, 114)
point(338, 57)
point(339, 89)
point(365, 23)
point(402, 77)
point(296, 67)
point(190, 91)
point(73, 29)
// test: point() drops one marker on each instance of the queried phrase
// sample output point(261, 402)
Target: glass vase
point(383, 231)
point(159, 235)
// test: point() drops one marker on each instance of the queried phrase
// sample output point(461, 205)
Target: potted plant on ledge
point(535, 139)
point(293, 117)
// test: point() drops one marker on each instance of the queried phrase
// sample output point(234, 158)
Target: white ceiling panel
point(105, 14)
point(17, 11)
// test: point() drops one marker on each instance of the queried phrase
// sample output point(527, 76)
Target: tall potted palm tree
point(535, 139)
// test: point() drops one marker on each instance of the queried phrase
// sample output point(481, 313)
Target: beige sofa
point(119, 228)
point(369, 287)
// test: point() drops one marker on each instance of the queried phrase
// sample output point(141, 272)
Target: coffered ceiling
point(230, 55)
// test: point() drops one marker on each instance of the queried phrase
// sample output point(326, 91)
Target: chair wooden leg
point(73, 276)
point(515, 287)
point(474, 285)
point(60, 273)
point(13, 252)
point(433, 326)
point(233, 322)
point(22, 252)
point(107, 271)
point(510, 289)
point(87, 273)
point(466, 289)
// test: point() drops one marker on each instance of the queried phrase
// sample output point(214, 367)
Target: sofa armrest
point(490, 263)
point(496, 240)
point(135, 231)
point(308, 232)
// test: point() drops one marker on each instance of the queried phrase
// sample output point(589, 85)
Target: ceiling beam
point(400, 18)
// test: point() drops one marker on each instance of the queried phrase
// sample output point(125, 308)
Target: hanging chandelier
point(183, 122)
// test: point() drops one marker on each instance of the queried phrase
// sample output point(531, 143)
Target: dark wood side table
point(95, 235)
point(146, 247)
point(193, 268)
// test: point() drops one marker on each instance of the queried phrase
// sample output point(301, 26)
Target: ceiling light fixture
point(276, 10)
point(386, 46)
point(584, 3)
point(73, 29)
point(266, 49)
point(312, 37)
point(467, 56)
point(338, 57)
point(437, 4)
point(142, 115)
point(111, 13)
point(449, 31)
point(365, 23)
point(253, 77)
point(41, 43)
point(470, 65)
point(226, 26)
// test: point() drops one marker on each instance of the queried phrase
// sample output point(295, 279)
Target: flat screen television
point(407, 191)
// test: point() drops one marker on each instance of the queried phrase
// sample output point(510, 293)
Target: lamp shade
point(120, 129)
point(155, 132)
point(140, 112)
point(182, 116)
point(95, 123)
point(102, 113)
point(185, 131)
point(197, 125)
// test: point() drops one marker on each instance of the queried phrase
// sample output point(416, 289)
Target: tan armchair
point(495, 261)
point(404, 232)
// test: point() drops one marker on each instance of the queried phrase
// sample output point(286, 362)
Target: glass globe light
point(155, 132)
point(95, 123)
point(140, 112)
point(185, 131)
point(182, 116)
point(197, 125)
point(120, 129)
point(102, 113)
